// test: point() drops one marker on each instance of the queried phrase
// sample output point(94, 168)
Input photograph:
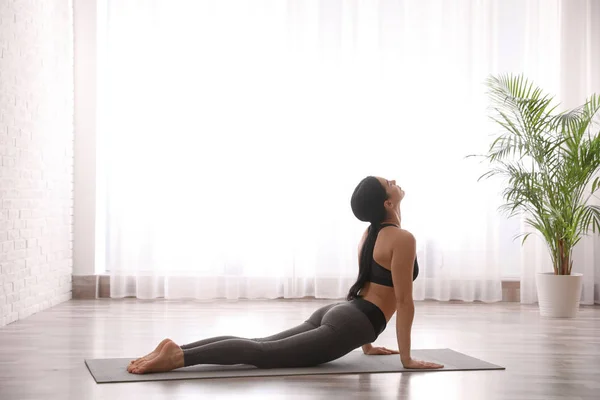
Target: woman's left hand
point(379, 351)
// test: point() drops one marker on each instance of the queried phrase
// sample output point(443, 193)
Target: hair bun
point(367, 200)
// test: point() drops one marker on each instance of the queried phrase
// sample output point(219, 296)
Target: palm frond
point(525, 236)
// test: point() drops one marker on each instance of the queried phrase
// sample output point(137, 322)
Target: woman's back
point(381, 295)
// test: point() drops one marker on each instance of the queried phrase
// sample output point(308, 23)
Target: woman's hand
point(379, 351)
point(416, 364)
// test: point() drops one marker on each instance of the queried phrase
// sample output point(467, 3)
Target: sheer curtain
point(571, 72)
point(234, 133)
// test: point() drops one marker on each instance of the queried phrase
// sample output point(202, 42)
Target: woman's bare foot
point(169, 358)
point(149, 356)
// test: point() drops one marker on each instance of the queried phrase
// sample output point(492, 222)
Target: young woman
point(387, 268)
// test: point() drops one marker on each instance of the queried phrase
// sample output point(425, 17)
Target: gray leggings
point(330, 333)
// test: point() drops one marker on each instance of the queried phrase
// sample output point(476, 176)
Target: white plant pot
point(558, 295)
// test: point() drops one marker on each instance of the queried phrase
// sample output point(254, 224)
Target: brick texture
point(36, 155)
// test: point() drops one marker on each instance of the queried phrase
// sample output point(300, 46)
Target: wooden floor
point(42, 356)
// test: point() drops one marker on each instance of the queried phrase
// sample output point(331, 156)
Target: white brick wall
point(36, 155)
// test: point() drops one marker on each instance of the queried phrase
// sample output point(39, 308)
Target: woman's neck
point(397, 225)
point(394, 219)
point(391, 221)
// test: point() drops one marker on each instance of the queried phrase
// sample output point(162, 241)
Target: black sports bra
point(383, 276)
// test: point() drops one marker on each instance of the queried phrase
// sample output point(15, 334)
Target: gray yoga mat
point(114, 370)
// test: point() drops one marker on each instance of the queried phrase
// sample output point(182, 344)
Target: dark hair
point(367, 205)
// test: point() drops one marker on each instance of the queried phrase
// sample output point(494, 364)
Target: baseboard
point(104, 286)
point(511, 291)
point(85, 286)
point(98, 286)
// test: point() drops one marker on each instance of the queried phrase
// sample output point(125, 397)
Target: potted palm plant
point(550, 162)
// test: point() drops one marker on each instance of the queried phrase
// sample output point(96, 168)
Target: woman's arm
point(403, 258)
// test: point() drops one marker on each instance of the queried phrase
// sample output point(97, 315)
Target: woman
point(387, 268)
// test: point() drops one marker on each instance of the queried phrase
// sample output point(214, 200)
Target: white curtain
point(233, 134)
point(571, 72)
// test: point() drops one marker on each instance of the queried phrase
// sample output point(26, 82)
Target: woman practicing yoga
point(387, 268)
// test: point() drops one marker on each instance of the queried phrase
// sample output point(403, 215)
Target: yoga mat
point(114, 370)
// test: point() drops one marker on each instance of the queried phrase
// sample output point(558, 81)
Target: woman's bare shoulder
point(403, 237)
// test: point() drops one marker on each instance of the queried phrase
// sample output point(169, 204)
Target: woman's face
point(394, 192)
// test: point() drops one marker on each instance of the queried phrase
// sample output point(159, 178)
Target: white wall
point(581, 78)
point(36, 153)
point(85, 179)
point(593, 73)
